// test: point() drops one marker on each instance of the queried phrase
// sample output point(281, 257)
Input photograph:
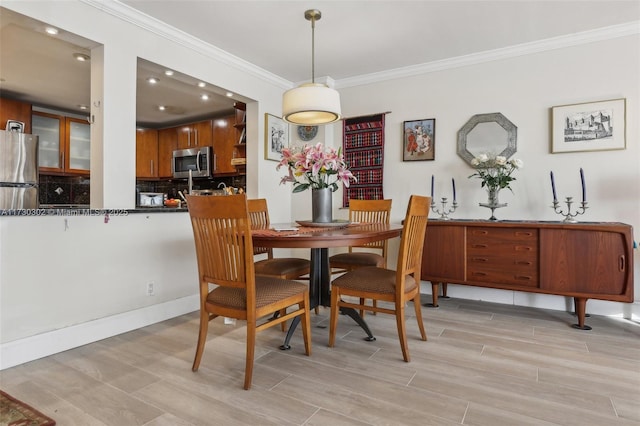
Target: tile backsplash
point(64, 189)
point(77, 189)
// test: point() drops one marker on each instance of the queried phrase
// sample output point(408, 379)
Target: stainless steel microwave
point(198, 161)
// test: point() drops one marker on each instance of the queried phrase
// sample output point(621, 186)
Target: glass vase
point(493, 198)
point(493, 201)
point(321, 205)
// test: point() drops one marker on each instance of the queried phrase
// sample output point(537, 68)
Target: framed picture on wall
point(419, 140)
point(591, 126)
point(276, 137)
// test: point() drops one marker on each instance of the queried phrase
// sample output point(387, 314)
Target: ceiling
point(352, 39)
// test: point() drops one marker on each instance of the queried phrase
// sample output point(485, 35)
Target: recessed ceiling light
point(168, 72)
point(81, 57)
point(83, 107)
point(204, 97)
point(162, 107)
point(51, 31)
point(201, 84)
point(229, 94)
point(152, 80)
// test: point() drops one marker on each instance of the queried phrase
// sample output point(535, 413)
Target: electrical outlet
point(151, 291)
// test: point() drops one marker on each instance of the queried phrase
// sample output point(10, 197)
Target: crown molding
point(155, 26)
point(600, 34)
point(161, 29)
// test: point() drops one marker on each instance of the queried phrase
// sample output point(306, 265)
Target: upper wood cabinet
point(64, 143)
point(154, 149)
point(146, 153)
point(167, 143)
point(11, 109)
point(223, 141)
point(195, 135)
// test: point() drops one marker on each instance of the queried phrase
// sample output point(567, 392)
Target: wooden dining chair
point(364, 211)
point(224, 250)
point(381, 284)
point(289, 268)
point(375, 254)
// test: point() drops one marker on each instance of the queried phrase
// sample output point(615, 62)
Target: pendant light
point(312, 103)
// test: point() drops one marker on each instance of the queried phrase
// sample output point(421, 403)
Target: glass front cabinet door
point(79, 145)
point(48, 128)
point(64, 143)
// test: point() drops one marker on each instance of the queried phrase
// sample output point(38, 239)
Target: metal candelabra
point(570, 217)
point(444, 213)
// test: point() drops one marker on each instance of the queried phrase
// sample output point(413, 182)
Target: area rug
point(17, 413)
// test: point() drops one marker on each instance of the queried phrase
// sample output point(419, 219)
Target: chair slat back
point(222, 235)
point(259, 217)
point(412, 240)
point(371, 211)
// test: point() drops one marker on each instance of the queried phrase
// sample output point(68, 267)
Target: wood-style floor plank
point(484, 364)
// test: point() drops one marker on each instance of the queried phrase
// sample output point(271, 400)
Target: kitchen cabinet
point(195, 135)
point(146, 153)
point(580, 260)
point(166, 145)
point(224, 138)
point(64, 143)
point(11, 109)
point(154, 149)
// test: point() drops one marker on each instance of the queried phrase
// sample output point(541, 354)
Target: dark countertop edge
point(81, 211)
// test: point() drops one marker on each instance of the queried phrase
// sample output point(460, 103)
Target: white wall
point(88, 281)
point(63, 288)
point(523, 88)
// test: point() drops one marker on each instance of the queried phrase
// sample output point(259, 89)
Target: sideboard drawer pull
point(523, 248)
point(480, 274)
point(480, 259)
point(479, 245)
point(524, 233)
point(622, 263)
point(524, 262)
point(523, 277)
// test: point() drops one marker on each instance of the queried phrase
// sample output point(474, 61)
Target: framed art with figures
point(276, 137)
point(419, 140)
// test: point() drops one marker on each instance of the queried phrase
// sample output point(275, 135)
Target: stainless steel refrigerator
point(18, 170)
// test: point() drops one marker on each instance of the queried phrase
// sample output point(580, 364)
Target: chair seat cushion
point(357, 259)
point(291, 267)
point(372, 279)
point(268, 290)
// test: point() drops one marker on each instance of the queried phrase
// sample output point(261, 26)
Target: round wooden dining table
point(319, 239)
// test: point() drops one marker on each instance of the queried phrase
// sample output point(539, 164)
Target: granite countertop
point(85, 210)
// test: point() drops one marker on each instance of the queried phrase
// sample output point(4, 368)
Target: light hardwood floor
point(484, 364)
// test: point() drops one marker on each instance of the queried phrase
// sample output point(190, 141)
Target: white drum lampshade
point(311, 104)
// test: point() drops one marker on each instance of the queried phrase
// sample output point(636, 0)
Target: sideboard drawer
point(503, 255)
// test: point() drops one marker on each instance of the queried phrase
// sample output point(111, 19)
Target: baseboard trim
point(34, 347)
point(629, 311)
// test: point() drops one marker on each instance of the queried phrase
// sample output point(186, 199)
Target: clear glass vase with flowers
point(495, 172)
point(320, 169)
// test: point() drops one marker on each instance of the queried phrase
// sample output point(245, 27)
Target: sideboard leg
point(444, 291)
point(435, 288)
point(580, 307)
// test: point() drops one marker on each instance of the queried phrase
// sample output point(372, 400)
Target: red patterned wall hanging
point(363, 146)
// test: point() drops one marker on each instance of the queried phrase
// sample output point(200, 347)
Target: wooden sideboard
point(580, 260)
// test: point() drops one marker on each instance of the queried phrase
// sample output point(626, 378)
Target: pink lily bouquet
point(315, 167)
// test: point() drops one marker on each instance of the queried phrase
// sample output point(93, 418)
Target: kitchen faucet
point(224, 185)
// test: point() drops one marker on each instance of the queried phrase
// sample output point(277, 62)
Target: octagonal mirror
point(491, 134)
